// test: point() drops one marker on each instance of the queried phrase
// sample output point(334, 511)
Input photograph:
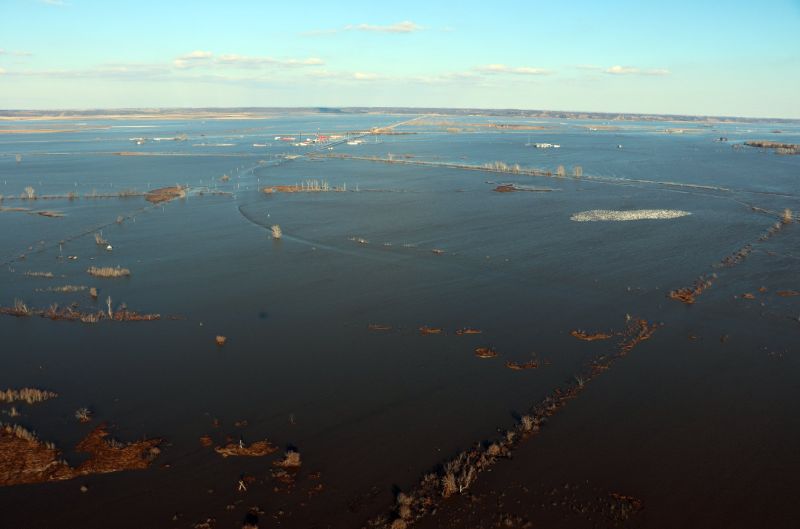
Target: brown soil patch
point(165, 194)
point(590, 337)
point(26, 459)
point(109, 455)
point(379, 327)
point(425, 330)
point(688, 295)
point(783, 148)
point(468, 330)
point(788, 293)
point(257, 449)
point(485, 352)
point(516, 366)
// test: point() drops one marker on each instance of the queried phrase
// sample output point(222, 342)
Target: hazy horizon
point(592, 114)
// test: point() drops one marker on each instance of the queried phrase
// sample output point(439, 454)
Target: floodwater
point(371, 411)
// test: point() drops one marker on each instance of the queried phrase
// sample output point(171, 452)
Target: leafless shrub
point(108, 271)
point(92, 317)
point(291, 459)
point(527, 423)
point(29, 395)
point(20, 308)
point(19, 432)
point(66, 289)
point(48, 275)
point(459, 474)
point(449, 486)
point(83, 414)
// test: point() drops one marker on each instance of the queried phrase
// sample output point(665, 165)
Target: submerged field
point(487, 339)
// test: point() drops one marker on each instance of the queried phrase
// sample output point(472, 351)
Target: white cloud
point(405, 26)
point(190, 60)
point(106, 71)
point(16, 53)
point(621, 70)
point(207, 58)
point(2, 71)
point(632, 70)
point(197, 54)
point(242, 60)
point(366, 76)
point(400, 27)
point(504, 69)
point(346, 76)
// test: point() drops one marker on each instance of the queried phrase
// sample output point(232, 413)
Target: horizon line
point(352, 107)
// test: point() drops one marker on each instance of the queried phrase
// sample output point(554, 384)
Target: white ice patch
point(634, 214)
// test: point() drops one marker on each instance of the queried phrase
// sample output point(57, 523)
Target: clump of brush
point(29, 395)
point(83, 415)
point(108, 271)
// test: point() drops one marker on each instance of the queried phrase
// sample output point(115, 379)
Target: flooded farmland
point(409, 344)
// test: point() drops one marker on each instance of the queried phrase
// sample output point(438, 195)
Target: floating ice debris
point(624, 215)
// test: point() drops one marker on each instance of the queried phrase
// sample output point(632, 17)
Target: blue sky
point(702, 57)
